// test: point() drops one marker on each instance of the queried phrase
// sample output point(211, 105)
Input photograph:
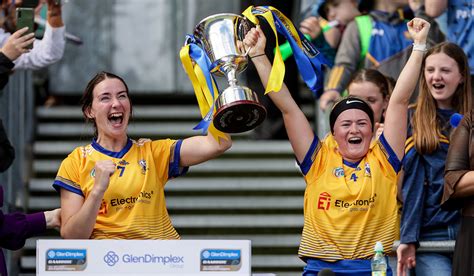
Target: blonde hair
point(426, 126)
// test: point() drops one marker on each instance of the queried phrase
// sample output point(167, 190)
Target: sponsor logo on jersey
point(368, 202)
point(324, 201)
point(87, 150)
point(123, 163)
point(103, 208)
point(143, 197)
point(142, 164)
point(367, 170)
point(338, 172)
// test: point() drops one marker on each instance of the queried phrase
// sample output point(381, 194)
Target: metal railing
point(446, 246)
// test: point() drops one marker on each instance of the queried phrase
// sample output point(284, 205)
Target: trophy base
point(238, 110)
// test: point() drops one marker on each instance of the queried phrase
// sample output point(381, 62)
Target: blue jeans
point(436, 264)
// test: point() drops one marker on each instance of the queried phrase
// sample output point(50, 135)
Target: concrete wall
point(136, 39)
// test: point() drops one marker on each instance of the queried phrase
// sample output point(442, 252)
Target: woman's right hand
point(418, 29)
point(103, 170)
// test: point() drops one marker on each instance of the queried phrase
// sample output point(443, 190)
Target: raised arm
point(17, 43)
point(297, 126)
point(395, 128)
point(50, 49)
point(198, 149)
point(435, 8)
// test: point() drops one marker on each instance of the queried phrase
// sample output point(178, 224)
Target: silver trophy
point(237, 107)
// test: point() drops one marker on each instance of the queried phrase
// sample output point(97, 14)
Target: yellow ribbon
point(277, 73)
point(201, 90)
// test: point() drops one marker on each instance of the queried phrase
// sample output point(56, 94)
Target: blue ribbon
point(309, 66)
point(200, 57)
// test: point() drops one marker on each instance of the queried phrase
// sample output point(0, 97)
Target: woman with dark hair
point(444, 90)
point(351, 183)
point(113, 188)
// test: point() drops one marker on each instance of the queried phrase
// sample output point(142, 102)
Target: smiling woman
point(113, 188)
point(351, 184)
point(109, 108)
point(444, 91)
point(352, 125)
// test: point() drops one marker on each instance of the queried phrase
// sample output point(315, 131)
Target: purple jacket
point(15, 228)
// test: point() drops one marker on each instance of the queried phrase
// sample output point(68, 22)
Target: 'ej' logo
point(324, 201)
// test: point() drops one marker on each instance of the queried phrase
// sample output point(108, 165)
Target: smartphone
point(25, 18)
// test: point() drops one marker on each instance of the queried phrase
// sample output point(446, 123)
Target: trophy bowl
point(237, 107)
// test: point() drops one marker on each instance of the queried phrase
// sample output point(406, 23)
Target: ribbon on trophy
point(203, 84)
point(308, 59)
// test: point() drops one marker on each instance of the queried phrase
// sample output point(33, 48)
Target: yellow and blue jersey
point(133, 206)
point(348, 207)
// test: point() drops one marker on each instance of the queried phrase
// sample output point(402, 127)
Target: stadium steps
point(254, 191)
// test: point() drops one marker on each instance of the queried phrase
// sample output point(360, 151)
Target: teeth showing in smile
point(438, 86)
point(116, 118)
point(355, 140)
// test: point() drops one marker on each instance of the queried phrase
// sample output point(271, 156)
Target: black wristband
point(257, 56)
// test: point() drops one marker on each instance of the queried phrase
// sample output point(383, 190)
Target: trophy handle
point(243, 27)
point(191, 39)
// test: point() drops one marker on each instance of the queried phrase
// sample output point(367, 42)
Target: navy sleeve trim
point(392, 157)
point(57, 185)
point(308, 160)
point(174, 169)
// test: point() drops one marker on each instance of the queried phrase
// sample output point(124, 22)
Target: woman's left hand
point(406, 255)
point(255, 40)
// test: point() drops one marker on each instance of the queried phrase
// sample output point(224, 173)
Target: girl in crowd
point(113, 188)
point(443, 92)
point(351, 186)
point(459, 191)
point(375, 88)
